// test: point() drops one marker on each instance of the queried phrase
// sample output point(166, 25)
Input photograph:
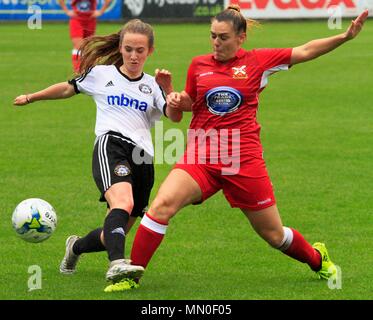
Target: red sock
point(75, 58)
point(148, 237)
point(302, 251)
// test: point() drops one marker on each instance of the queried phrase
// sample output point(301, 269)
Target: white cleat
point(69, 261)
point(120, 269)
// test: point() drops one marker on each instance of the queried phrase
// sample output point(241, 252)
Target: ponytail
point(100, 50)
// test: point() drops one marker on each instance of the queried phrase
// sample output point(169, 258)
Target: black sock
point(90, 243)
point(114, 226)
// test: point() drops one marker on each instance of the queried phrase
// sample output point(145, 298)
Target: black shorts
point(112, 163)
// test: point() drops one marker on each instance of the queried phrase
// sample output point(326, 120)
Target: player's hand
point(97, 13)
point(356, 25)
point(21, 100)
point(164, 79)
point(71, 13)
point(174, 100)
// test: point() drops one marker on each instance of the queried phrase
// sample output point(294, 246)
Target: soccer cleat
point(124, 284)
point(120, 270)
point(69, 261)
point(328, 268)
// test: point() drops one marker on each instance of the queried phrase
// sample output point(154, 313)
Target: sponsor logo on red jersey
point(223, 100)
point(84, 6)
point(239, 72)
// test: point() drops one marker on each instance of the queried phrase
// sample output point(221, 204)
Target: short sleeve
point(191, 84)
point(272, 61)
point(85, 83)
point(274, 58)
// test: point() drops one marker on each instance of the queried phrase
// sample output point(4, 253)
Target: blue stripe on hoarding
point(18, 10)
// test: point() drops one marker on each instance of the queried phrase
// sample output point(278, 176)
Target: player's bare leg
point(75, 55)
point(178, 190)
point(267, 223)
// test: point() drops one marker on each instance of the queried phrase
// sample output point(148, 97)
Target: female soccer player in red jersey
point(222, 91)
point(82, 23)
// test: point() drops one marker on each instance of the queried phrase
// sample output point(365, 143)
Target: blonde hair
point(104, 50)
point(233, 14)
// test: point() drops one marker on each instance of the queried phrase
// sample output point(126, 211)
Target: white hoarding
point(282, 9)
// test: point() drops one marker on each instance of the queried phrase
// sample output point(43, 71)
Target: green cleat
point(125, 284)
point(328, 268)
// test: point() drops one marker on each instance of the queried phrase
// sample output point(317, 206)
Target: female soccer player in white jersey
point(128, 102)
point(222, 91)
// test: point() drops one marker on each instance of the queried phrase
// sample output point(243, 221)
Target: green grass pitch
point(317, 133)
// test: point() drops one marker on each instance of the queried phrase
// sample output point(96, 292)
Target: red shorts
point(250, 188)
point(82, 28)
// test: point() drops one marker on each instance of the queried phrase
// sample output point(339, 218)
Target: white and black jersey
point(127, 106)
point(126, 111)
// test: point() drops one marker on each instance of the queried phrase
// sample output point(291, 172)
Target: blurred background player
point(83, 18)
point(222, 91)
point(128, 102)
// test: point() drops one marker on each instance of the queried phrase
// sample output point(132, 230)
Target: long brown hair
point(233, 14)
point(104, 50)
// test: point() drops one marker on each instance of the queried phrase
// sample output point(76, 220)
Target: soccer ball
point(34, 220)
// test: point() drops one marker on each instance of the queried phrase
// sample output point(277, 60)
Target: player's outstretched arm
point(61, 90)
point(316, 48)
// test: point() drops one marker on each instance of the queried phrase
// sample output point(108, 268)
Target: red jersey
point(84, 8)
point(226, 97)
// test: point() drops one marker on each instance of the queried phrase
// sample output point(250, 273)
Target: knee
point(274, 237)
point(124, 203)
point(163, 208)
point(102, 239)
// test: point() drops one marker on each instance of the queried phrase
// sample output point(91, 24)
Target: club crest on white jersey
point(124, 105)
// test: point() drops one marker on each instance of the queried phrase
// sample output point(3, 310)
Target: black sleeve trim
point(163, 93)
point(164, 97)
point(164, 110)
point(83, 76)
point(73, 83)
